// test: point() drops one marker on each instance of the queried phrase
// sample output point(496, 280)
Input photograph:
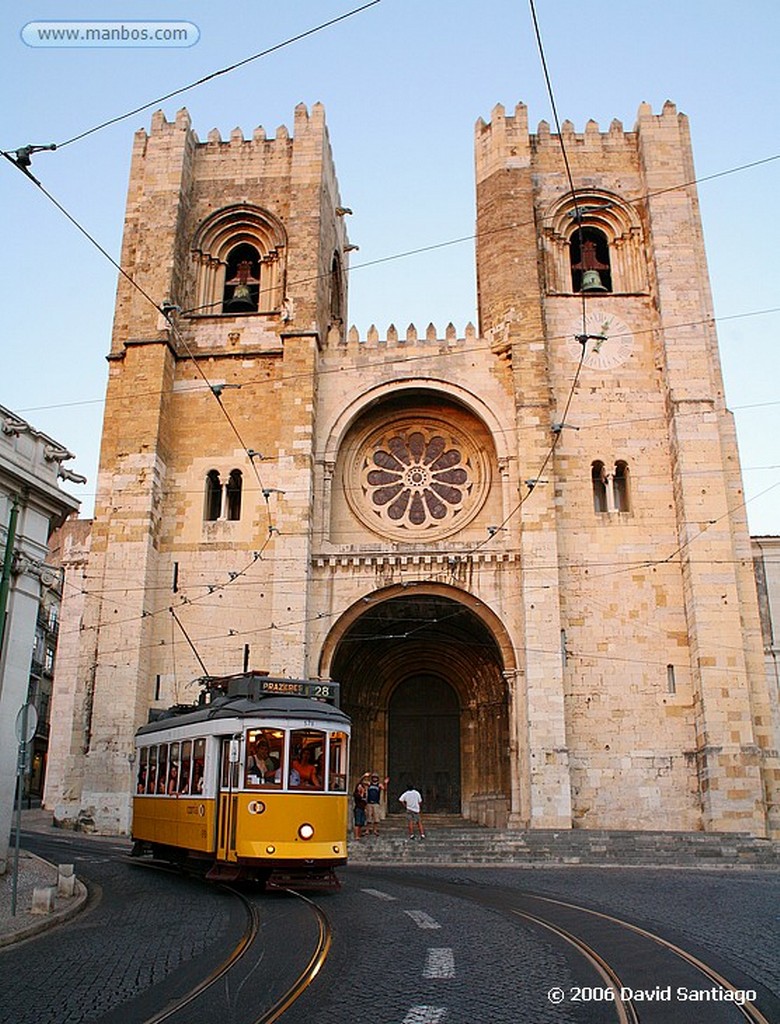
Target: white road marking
point(379, 894)
point(425, 1015)
point(421, 919)
point(440, 963)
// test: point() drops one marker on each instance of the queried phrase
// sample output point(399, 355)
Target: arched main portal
point(422, 677)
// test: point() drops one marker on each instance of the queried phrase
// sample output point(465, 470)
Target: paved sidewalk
point(33, 873)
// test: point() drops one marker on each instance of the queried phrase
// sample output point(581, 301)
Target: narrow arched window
point(620, 487)
point(213, 503)
point(233, 494)
point(336, 290)
point(242, 280)
point(599, 482)
point(590, 266)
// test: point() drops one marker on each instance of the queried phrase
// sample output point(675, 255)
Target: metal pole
point(21, 758)
point(5, 578)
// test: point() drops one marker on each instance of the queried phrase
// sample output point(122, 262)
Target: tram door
point(424, 743)
point(227, 797)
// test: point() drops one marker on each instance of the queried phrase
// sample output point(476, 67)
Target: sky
point(403, 82)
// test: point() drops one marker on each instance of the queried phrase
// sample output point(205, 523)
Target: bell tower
point(600, 300)
point(205, 466)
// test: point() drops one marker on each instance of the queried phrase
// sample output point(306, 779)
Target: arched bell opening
point(422, 677)
point(590, 262)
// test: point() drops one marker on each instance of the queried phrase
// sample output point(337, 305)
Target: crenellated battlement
point(592, 137)
point(505, 142)
point(306, 122)
point(410, 338)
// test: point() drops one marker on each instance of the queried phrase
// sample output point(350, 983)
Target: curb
point(25, 926)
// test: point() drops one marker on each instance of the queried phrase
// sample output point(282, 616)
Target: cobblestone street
point(146, 937)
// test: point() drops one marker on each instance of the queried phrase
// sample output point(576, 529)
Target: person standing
point(374, 792)
point(359, 800)
point(412, 801)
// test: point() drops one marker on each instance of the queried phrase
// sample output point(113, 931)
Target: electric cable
point(217, 74)
point(555, 441)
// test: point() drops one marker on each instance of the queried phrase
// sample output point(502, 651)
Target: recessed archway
point(423, 667)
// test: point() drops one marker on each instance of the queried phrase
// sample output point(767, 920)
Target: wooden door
point(424, 744)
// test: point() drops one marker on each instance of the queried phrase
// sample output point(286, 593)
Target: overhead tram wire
point(215, 390)
point(216, 74)
point(402, 255)
point(583, 337)
point(234, 428)
point(167, 312)
point(161, 310)
point(475, 236)
point(79, 227)
point(562, 144)
point(369, 263)
point(21, 159)
point(632, 567)
point(405, 358)
point(378, 636)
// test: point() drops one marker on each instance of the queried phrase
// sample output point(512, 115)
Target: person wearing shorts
point(374, 792)
point(412, 801)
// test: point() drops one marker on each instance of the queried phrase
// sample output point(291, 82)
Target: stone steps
point(454, 841)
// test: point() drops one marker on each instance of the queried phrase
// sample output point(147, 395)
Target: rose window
point(417, 479)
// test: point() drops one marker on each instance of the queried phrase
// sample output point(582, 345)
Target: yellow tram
point(249, 785)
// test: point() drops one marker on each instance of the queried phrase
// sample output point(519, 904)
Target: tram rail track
point(244, 947)
point(748, 1010)
point(627, 958)
point(238, 951)
point(310, 972)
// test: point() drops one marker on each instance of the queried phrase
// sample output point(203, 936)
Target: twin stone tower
point(539, 626)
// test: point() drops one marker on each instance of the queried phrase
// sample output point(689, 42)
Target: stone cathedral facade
point(520, 549)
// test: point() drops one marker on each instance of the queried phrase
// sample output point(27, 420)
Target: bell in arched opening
point(242, 281)
point(590, 261)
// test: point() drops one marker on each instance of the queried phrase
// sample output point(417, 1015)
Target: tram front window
point(264, 758)
point(307, 759)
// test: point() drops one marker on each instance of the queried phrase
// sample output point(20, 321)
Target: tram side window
point(172, 789)
point(162, 768)
point(264, 757)
point(198, 765)
point(337, 777)
point(185, 783)
point(151, 779)
point(307, 759)
point(143, 769)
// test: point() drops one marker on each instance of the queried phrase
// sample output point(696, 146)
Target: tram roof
point(245, 707)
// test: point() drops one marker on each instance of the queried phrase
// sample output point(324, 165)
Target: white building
point(31, 506)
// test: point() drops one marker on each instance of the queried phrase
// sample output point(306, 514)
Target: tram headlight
point(306, 831)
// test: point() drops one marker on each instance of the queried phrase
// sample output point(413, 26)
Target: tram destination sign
point(300, 688)
point(255, 687)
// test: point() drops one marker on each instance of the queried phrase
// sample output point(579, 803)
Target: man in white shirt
point(412, 801)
